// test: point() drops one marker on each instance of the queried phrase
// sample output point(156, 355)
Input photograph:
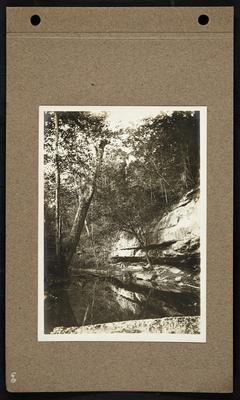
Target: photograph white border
point(123, 337)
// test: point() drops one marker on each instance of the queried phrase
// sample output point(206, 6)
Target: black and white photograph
point(122, 223)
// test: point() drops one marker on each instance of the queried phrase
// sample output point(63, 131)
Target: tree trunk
point(77, 227)
point(148, 259)
point(143, 244)
point(69, 249)
point(57, 191)
point(90, 235)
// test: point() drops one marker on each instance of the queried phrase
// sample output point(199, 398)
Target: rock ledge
point(174, 325)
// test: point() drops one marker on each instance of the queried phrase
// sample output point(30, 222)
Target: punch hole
point(35, 20)
point(203, 19)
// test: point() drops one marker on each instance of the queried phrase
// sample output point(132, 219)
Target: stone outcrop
point(181, 226)
point(174, 239)
point(176, 325)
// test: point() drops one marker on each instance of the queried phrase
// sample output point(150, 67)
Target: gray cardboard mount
point(134, 56)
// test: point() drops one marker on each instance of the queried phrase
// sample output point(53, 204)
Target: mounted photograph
point(122, 223)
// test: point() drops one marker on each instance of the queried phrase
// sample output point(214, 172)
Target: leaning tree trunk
point(70, 246)
point(77, 227)
point(90, 235)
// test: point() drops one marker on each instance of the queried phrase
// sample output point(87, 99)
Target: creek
point(120, 293)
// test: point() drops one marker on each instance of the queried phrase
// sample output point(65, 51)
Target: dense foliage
point(112, 181)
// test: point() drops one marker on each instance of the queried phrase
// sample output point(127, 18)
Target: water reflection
point(78, 302)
